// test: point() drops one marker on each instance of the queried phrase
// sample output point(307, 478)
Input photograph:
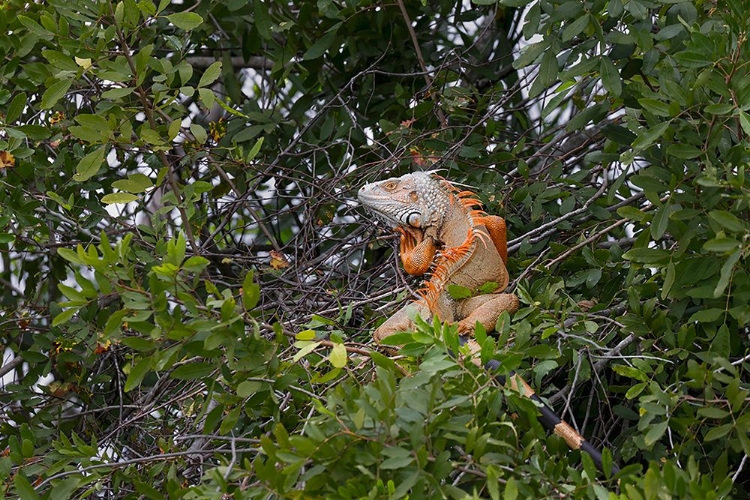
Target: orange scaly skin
point(444, 231)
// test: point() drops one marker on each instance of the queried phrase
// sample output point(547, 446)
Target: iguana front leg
point(416, 250)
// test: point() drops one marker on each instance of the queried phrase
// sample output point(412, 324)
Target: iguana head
point(419, 199)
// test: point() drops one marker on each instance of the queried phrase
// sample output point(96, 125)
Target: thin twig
point(420, 58)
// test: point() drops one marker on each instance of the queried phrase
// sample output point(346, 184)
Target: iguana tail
point(549, 419)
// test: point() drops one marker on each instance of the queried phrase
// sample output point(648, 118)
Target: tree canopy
point(189, 287)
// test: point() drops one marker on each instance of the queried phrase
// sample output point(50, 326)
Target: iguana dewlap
point(443, 232)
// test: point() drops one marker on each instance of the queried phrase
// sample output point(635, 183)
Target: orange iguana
point(445, 232)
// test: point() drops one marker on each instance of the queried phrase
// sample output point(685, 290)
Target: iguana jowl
point(444, 231)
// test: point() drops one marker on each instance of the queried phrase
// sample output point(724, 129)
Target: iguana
point(445, 232)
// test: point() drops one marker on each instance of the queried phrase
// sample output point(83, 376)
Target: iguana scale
point(445, 232)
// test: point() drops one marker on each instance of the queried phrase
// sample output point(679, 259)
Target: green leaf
point(112, 198)
point(692, 59)
point(576, 27)
point(305, 335)
point(64, 316)
point(23, 488)
point(90, 164)
point(16, 108)
point(718, 432)
point(62, 490)
point(660, 221)
point(721, 245)
point(618, 134)
point(199, 133)
point(248, 388)
point(250, 292)
point(135, 183)
point(185, 20)
point(90, 135)
point(647, 255)
point(254, 150)
point(117, 93)
point(512, 3)
point(632, 213)
point(195, 264)
point(637, 9)
point(305, 348)
point(458, 292)
point(92, 121)
point(71, 293)
point(262, 20)
point(230, 420)
point(6, 238)
point(34, 27)
point(137, 372)
point(145, 489)
point(655, 107)
point(138, 343)
point(54, 93)
point(720, 109)
point(649, 183)
point(745, 122)
point(338, 357)
point(529, 54)
point(728, 220)
point(655, 433)
point(720, 344)
point(151, 136)
point(35, 132)
point(669, 278)
point(488, 287)
point(320, 46)
point(207, 96)
point(635, 390)
point(713, 412)
point(174, 129)
point(629, 371)
point(511, 489)
point(592, 113)
point(548, 70)
point(211, 74)
point(684, 151)
point(398, 459)
point(610, 76)
point(192, 371)
point(60, 60)
point(707, 315)
point(649, 136)
point(69, 255)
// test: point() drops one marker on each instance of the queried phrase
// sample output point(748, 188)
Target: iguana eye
point(390, 185)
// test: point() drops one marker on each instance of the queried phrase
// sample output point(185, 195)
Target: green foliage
point(186, 287)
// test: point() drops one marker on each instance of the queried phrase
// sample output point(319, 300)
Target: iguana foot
point(485, 309)
point(417, 251)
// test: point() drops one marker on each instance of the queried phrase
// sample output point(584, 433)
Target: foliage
point(187, 284)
